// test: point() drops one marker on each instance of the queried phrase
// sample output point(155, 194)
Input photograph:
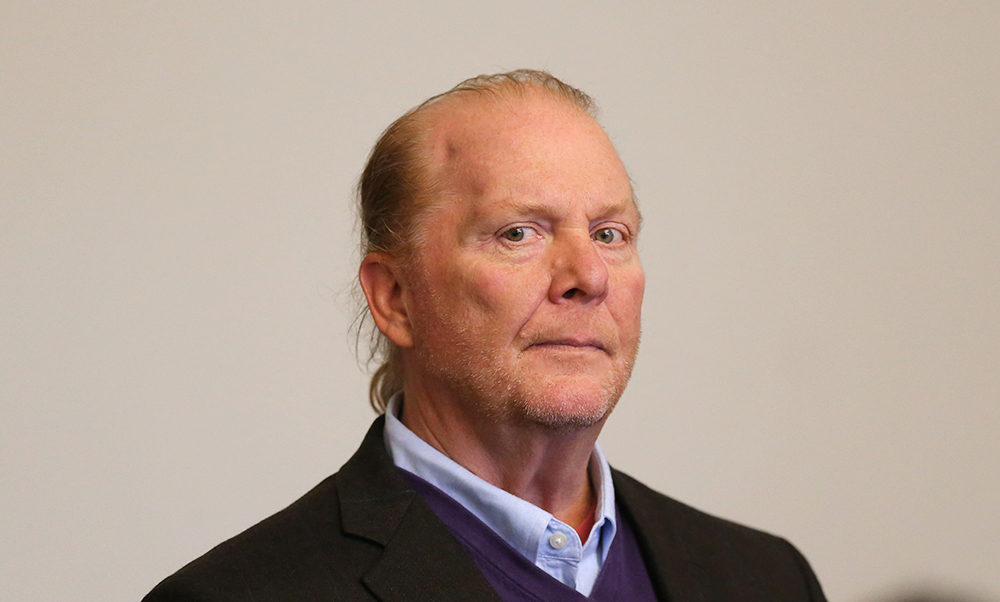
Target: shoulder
point(309, 550)
point(294, 554)
point(717, 552)
point(652, 511)
point(306, 551)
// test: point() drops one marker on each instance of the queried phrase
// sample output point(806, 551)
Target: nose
point(579, 273)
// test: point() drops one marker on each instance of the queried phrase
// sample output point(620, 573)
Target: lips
point(576, 342)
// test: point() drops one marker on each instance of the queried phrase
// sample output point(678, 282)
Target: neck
point(544, 466)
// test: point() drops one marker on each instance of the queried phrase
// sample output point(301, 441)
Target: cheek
point(465, 296)
point(488, 286)
point(638, 290)
point(631, 286)
point(500, 291)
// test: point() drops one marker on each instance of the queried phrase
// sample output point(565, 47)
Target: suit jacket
point(364, 534)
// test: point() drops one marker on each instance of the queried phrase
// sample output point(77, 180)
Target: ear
point(379, 276)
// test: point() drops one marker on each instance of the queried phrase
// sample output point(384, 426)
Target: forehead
point(531, 144)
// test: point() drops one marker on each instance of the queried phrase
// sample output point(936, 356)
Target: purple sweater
point(623, 577)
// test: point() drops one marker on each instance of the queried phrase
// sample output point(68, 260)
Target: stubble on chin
point(497, 384)
point(563, 408)
point(499, 392)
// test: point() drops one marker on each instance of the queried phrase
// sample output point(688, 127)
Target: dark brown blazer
point(363, 534)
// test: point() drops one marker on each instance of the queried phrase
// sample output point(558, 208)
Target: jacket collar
point(676, 566)
point(421, 560)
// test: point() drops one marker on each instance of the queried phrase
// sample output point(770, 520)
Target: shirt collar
point(520, 523)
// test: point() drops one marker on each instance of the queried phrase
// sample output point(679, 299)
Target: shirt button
point(558, 541)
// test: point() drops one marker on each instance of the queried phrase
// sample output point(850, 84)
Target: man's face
point(525, 289)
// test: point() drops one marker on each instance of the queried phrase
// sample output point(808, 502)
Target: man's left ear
point(380, 280)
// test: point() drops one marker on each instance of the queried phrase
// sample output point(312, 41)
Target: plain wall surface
point(821, 198)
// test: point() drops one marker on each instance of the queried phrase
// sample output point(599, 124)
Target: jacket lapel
point(421, 560)
point(676, 575)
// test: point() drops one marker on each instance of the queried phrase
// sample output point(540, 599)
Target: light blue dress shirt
point(551, 544)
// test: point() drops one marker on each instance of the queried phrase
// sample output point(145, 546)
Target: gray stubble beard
point(500, 397)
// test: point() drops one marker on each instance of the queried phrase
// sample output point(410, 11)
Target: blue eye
point(608, 235)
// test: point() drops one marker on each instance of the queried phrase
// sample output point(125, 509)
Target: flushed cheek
point(638, 289)
point(628, 302)
point(505, 293)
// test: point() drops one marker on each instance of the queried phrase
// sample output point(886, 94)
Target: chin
point(568, 406)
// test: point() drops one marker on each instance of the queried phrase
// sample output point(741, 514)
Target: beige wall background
point(822, 244)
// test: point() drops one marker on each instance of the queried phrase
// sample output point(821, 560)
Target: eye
point(517, 233)
point(608, 236)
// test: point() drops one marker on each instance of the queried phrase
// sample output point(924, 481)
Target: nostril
point(570, 293)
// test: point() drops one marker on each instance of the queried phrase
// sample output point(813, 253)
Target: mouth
point(571, 344)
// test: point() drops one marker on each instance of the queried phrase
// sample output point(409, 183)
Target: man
point(502, 273)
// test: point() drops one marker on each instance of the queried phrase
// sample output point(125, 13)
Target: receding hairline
point(423, 122)
point(520, 82)
point(503, 97)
